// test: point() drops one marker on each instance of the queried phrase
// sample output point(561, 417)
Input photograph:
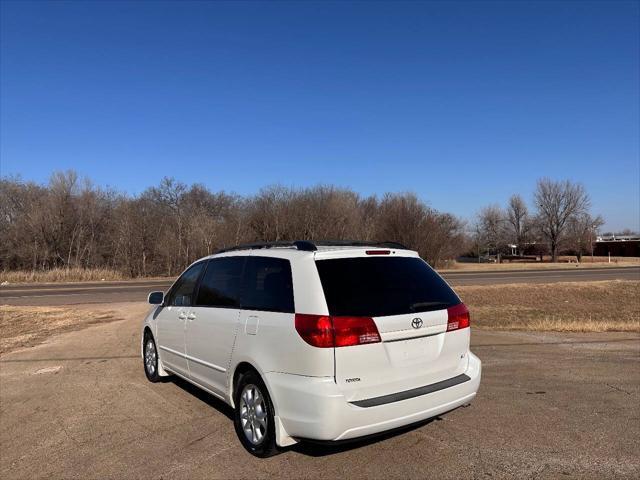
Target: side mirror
point(156, 298)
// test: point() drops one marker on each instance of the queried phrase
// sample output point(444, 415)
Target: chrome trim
point(193, 359)
point(206, 364)
point(412, 338)
point(170, 350)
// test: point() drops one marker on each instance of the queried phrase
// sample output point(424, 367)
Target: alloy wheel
point(150, 357)
point(253, 414)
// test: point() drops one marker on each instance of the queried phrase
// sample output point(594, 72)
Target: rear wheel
point(150, 359)
point(253, 417)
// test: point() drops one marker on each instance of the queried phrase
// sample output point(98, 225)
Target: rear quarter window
point(378, 287)
point(267, 285)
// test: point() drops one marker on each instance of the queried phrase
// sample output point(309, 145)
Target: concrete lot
point(550, 406)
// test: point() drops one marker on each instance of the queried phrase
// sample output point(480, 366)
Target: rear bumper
point(314, 408)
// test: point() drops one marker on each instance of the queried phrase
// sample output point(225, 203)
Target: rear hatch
point(411, 306)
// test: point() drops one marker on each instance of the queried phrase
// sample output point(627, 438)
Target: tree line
point(69, 223)
point(559, 222)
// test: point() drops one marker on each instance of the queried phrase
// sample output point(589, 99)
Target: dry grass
point(60, 275)
point(621, 260)
point(599, 262)
point(562, 307)
point(28, 326)
point(608, 306)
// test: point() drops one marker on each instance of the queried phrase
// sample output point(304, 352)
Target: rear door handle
point(182, 316)
point(191, 316)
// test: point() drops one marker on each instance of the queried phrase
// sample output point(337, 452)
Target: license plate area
point(414, 351)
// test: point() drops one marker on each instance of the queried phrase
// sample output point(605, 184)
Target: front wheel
point(150, 359)
point(253, 417)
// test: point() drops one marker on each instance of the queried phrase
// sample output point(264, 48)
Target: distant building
point(617, 246)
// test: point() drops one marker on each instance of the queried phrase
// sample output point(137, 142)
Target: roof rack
point(312, 246)
point(299, 244)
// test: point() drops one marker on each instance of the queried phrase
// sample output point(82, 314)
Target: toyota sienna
point(324, 341)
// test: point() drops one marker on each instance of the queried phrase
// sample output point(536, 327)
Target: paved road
point(543, 276)
point(108, 292)
point(550, 406)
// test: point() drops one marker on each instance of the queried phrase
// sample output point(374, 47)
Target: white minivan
point(324, 341)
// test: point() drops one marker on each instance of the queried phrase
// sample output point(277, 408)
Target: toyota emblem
point(416, 322)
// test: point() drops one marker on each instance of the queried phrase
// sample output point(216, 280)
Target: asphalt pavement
point(549, 406)
point(110, 292)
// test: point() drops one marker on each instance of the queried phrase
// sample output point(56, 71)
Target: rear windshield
point(377, 287)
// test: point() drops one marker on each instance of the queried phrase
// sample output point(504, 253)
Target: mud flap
point(282, 437)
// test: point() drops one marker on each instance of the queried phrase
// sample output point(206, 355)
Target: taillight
point(378, 252)
point(354, 331)
point(458, 317)
point(316, 330)
point(324, 331)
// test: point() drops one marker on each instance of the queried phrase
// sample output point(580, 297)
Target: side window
point(220, 286)
point(267, 285)
point(182, 293)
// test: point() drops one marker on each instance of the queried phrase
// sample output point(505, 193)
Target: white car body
point(326, 394)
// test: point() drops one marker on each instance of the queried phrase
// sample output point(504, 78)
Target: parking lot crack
point(198, 439)
point(618, 389)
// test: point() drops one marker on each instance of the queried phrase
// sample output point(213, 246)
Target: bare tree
point(518, 222)
point(557, 202)
point(21, 242)
point(581, 233)
point(70, 222)
point(444, 237)
point(492, 225)
point(404, 218)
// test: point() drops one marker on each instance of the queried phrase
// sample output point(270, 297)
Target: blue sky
point(463, 103)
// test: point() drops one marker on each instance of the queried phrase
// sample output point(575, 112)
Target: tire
point(254, 417)
point(150, 358)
